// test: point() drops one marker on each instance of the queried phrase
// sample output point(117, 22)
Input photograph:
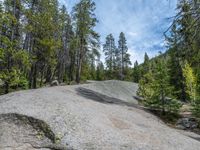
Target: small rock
point(181, 127)
point(187, 123)
point(55, 83)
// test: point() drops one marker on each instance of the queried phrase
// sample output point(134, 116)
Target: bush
point(196, 108)
point(23, 83)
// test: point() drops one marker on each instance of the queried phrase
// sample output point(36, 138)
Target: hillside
point(89, 116)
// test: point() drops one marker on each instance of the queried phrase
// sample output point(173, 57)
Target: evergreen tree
point(155, 88)
point(109, 49)
point(41, 40)
point(124, 58)
point(63, 54)
point(175, 61)
point(11, 56)
point(49, 43)
point(100, 72)
point(183, 44)
point(87, 38)
point(146, 64)
point(136, 72)
point(94, 58)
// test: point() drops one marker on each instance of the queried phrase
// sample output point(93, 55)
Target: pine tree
point(41, 40)
point(175, 61)
point(11, 56)
point(182, 44)
point(136, 72)
point(63, 54)
point(49, 43)
point(94, 58)
point(155, 88)
point(109, 49)
point(123, 57)
point(87, 38)
point(146, 64)
point(100, 71)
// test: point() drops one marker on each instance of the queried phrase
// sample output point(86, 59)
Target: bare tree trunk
point(31, 78)
point(79, 64)
point(122, 71)
point(163, 102)
point(35, 76)
point(6, 87)
point(78, 71)
point(48, 75)
point(42, 75)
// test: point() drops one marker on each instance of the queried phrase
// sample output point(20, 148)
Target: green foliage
point(87, 38)
point(14, 78)
point(190, 81)
point(136, 73)
point(100, 74)
point(109, 49)
point(145, 87)
point(196, 108)
point(117, 59)
point(12, 59)
point(182, 42)
point(123, 59)
point(146, 65)
point(23, 83)
point(155, 89)
point(166, 75)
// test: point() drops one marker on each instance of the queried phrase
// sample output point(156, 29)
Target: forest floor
point(98, 115)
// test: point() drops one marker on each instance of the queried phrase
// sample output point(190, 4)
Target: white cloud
point(142, 21)
point(133, 34)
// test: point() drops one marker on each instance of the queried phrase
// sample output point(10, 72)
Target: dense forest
point(172, 79)
point(41, 42)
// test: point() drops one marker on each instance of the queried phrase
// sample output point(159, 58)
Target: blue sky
point(142, 21)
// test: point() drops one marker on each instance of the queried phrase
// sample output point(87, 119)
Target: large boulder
point(63, 118)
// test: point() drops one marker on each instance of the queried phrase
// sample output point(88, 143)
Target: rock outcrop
point(99, 115)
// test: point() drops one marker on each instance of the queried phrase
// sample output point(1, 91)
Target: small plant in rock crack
point(40, 135)
point(58, 138)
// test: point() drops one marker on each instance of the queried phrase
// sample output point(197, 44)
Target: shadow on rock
point(98, 97)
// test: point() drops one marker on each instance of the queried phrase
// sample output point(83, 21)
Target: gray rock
point(179, 126)
point(78, 122)
point(187, 123)
point(55, 83)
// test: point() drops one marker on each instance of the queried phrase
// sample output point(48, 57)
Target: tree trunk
point(31, 77)
point(122, 70)
point(78, 72)
point(6, 87)
point(35, 76)
point(48, 75)
point(79, 64)
point(183, 92)
point(42, 74)
point(163, 103)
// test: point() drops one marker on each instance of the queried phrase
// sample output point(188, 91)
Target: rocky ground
point(99, 115)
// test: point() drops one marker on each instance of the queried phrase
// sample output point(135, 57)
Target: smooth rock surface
point(80, 120)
